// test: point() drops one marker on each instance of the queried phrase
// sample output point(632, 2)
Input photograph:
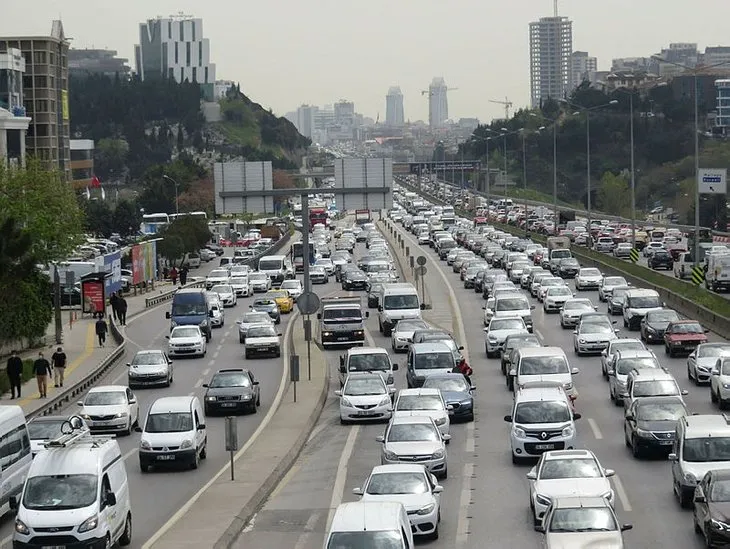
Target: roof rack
point(74, 432)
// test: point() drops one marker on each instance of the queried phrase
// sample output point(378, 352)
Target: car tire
point(143, 467)
point(713, 396)
point(204, 450)
point(126, 537)
point(241, 339)
point(635, 449)
point(253, 408)
point(195, 463)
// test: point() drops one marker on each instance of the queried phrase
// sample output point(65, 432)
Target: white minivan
point(173, 433)
point(15, 454)
point(397, 301)
point(76, 494)
point(370, 524)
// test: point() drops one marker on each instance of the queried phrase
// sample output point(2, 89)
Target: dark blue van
point(190, 307)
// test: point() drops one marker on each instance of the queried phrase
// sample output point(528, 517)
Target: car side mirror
point(380, 309)
point(707, 331)
point(438, 489)
point(167, 337)
point(380, 438)
point(699, 498)
point(685, 392)
point(133, 400)
point(513, 372)
point(255, 382)
point(473, 388)
point(343, 370)
point(616, 330)
point(625, 527)
point(575, 371)
point(532, 475)
point(575, 332)
point(338, 393)
point(672, 457)
point(609, 472)
point(206, 385)
point(201, 427)
point(446, 437)
point(80, 403)
point(357, 491)
point(110, 500)
point(423, 306)
point(576, 417)
point(539, 528)
point(167, 314)
point(715, 372)
point(129, 364)
point(508, 419)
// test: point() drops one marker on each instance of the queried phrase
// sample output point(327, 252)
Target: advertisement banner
point(92, 293)
point(712, 180)
point(113, 265)
point(144, 262)
point(64, 104)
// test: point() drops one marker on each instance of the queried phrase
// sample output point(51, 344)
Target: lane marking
point(249, 443)
point(215, 355)
point(199, 383)
point(462, 528)
point(282, 484)
point(369, 338)
point(539, 334)
point(338, 492)
point(211, 363)
point(304, 538)
point(470, 445)
point(206, 372)
point(594, 427)
point(621, 492)
point(129, 454)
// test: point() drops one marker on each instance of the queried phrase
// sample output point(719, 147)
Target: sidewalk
point(220, 511)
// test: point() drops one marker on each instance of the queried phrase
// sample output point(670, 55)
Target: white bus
point(202, 215)
point(154, 223)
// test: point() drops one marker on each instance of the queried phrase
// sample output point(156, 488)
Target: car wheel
point(143, 467)
point(689, 375)
point(126, 537)
point(713, 396)
point(253, 408)
point(635, 450)
point(196, 460)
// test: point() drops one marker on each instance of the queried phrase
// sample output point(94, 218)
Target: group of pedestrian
point(42, 370)
point(183, 274)
point(119, 309)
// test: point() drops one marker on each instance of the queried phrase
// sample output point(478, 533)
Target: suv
point(542, 419)
point(647, 382)
point(637, 303)
point(702, 443)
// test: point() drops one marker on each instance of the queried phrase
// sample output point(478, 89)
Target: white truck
point(717, 276)
point(558, 248)
point(342, 321)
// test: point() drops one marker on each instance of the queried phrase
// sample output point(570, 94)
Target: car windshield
point(512, 304)
point(270, 264)
point(506, 324)
point(560, 254)
point(553, 469)
point(614, 281)
point(340, 314)
point(662, 316)
point(413, 432)
point(230, 379)
point(720, 490)
point(706, 449)
point(261, 331)
point(218, 274)
point(582, 519)
point(543, 365)
point(456, 384)
point(411, 326)
point(595, 328)
point(237, 280)
point(660, 411)
point(265, 303)
point(644, 301)
point(625, 365)
point(364, 387)
point(290, 285)
point(367, 363)
point(169, 422)
point(547, 282)
point(106, 398)
point(713, 351)
point(148, 358)
point(434, 361)
point(253, 318)
point(382, 484)
point(196, 308)
point(560, 290)
point(45, 429)
point(521, 342)
point(578, 306)
point(408, 301)
point(419, 402)
point(541, 411)
point(590, 272)
point(369, 539)
point(258, 276)
point(185, 331)
point(659, 387)
point(57, 492)
point(618, 293)
point(687, 328)
point(221, 289)
point(570, 262)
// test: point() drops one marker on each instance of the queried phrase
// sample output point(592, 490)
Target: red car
point(683, 336)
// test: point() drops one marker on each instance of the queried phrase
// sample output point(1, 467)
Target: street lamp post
point(177, 201)
point(554, 122)
point(633, 173)
point(524, 170)
point(504, 178)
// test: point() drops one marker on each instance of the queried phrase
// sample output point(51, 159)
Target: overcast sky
point(288, 52)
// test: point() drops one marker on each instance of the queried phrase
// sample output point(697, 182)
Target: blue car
point(457, 393)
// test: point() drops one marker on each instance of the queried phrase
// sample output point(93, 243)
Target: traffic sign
point(421, 260)
point(308, 303)
point(634, 255)
point(698, 274)
point(421, 270)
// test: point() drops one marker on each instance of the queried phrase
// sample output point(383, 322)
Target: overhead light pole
point(177, 200)
point(554, 122)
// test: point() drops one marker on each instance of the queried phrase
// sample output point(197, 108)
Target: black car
point(457, 393)
point(232, 390)
point(655, 323)
point(712, 508)
point(568, 267)
point(354, 280)
point(479, 281)
point(649, 424)
point(661, 259)
point(348, 267)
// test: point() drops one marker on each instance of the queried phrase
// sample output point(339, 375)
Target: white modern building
point(305, 120)
point(722, 120)
point(438, 103)
point(551, 46)
point(716, 56)
point(13, 121)
point(174, 47)
point(344, 113)
point(582, 66)
point(394, 115)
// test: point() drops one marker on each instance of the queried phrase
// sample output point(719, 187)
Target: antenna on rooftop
point(555, 7)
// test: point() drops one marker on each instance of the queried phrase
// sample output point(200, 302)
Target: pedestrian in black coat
point(122, 310)
point(15, 373)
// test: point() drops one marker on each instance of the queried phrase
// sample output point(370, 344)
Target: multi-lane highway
point(485, 499)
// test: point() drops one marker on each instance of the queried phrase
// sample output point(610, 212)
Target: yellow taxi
point(283, 300)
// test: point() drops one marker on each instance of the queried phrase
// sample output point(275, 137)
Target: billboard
point(712, 180)
point(113, 265)
point(433, 167)
point(64, 104)
point(239, 177)
point(368, 174)
point(92, 292)
point(144, 262)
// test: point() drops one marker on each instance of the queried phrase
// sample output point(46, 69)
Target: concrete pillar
point(22, 147)
point(3, 145)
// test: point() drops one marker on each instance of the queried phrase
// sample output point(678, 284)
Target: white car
point(259, 282)
point(605, 290)
point(110, 408)
point(582, 522)
point(240, 285)
point(327, 264)
point(216, 276)
point(652, 247)
point(186, 341)
point(364, 397)
point(412, 486)
point(401, 335)
point(546, 283)
point(593, 337)
point(565, 473)
point(616, 345)
point(498, 330)
point(249, 319)
point(226, 293)
point(555, 297)
point(294, 287)
point(415, 437)
point(423, 402)
point(720, 382)
point(588, 278)
point(262, 339)
point(703, 359)
point(217, 315)
point(573, 309)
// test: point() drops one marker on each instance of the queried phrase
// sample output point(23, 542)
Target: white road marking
point(250, 442)
point(594, 427)
point(211, 363)
point(539, 334)
point(199, 383)
point(462, 528)
point(369, 338)
point(321, 427)
point(304, 539)
point(129, 454)
point(621, 492)
point(215, 355)
point(119, 378)
point(206, 371)
point(338, 491)
point(470, 445)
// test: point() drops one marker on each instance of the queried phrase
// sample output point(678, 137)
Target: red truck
point(317, 216)
point(362, 217)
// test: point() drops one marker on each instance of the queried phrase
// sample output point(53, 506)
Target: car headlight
point(21, 528)
point(718, 525)
point(390, 456)
point(173, 323)
point(426, 509)
point(690, 478)
point(438, 454)
point(384, 401)
point(144, 445)
point(440, 421)
point(89, 524)
point(568, 431)
point(187, 443)
point(246, 397)
point(121, 414)
point(344, 401)
point(543, 500)
point(517, 432)
point(726, 385)
point(701, 369)
point(493, 339)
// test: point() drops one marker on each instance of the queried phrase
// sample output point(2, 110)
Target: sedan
point(327, 264)
point(650, 423)
point(575, 521)
point(622, 250)
point(652, 247)
point(411, 485)
point(240, 286)
point(573, 309)
point(318, 275)
point(186, 341)
point(364, 397)
point(616, 345)
point(294, 287)
point(593, 337)
point(269, 306)
point(354, 279)
point(561, 473)
point(262, 339)
point(548, 282)
point(661, 259)
point(423, 402)
point(568, 267)
point(683, 336)
point(655, 323)
point(608, 284)
point(555, 297)
point(259, 282)
point(456, 392)
point(249, 319)
point(226, 294)
point(588, 278)
point(409, 436)
point(150, 368)
point(498, 331)
point(402, 333)
point(284, 301)
point(712, 508)
point(110, 408)
point(615, 303)
point(232, 390)
point(41, 429)
point(702, 360)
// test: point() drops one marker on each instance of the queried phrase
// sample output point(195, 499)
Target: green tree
point(45, 205)
point(613, 196)
point(110, 156)
point(126, 218)
point(98, 218)
point(185, 234)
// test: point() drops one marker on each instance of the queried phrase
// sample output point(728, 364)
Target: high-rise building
point(717, 56)
point(438, 103)
point(344, 113)
point(305, 120)
point(324, 117)
point(394, 115)
point(551, 45)
point(45, 95)
point(13, 122)
point(582, 66)
point(722, 120)
point(174, 47)
point(82, 62)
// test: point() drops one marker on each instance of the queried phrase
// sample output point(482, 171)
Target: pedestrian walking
point(122, 310)
point(114, 302)
point(42, 369)
point(15, 373)
point(184, 275)
point(101, 330)
point(58, 361)
point(173, 275)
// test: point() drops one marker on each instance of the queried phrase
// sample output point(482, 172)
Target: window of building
point(182, 74)
point(182, 31)
point(187, 54)
point(206, 75)
point(200, 54)
point(169, 29)
point(27, 81)
point(42, 130)
point(195, 74)
point(192, 27)
point(40, 57)
point(176, 54)
point(51, 82)
point(41, 105)
point(171, 73)
point(51, 58)
point(40, 81)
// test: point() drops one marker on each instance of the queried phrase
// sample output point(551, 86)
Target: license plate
point(341, 339)
point(544, 446)
point(364, 413)
point(228, 405)
point(166, 457)
point(53, 547)
point(666, 442)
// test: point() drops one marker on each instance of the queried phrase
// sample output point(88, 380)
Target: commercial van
point(173, 434)
point(277, 267)
point(717, 276)
point(371, 524)
point(397, 301)
point(190, 306)
point(638, 302)
point(426, 359)
point(15, 453)
point(368, 359)
point(76, 494)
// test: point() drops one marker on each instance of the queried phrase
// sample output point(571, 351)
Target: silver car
point(415, 439)
point(150, 368)
point(226, 293)
point(582, 522)
point(593, 336)
point(605, 289)
point(621, 344)
point(252, 318)
point(402, 333)
point(572, 309)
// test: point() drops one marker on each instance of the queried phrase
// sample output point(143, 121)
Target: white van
point(76, 494)
point(370, 524)
point(15, 454)
point(277, 267)
point(174, 432)
point(397, 301)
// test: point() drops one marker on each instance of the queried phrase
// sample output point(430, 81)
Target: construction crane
point(428, 92)
point(507, 106)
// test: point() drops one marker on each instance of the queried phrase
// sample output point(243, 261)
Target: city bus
point(202, 215)
point(154, 223)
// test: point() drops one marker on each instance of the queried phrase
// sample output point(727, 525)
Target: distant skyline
point(289, 52)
